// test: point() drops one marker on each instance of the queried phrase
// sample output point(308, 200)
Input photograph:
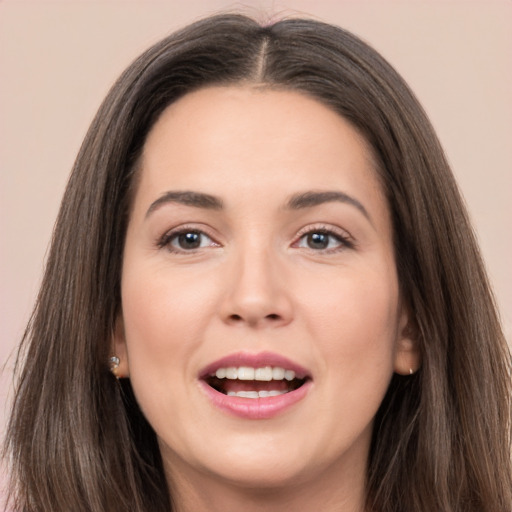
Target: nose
point(257, 294)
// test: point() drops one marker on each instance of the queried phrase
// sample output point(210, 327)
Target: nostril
point(235, 318)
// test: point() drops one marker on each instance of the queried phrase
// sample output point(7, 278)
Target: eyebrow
point(296, 202)
point(313, 198)
point(188, 198)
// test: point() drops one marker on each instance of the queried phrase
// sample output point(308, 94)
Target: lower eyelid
point(167, 238)
point(176, 238)
point(344, 239)
point(341, 243)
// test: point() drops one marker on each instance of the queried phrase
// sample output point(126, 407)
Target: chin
point(261, 475)
point(246, 462)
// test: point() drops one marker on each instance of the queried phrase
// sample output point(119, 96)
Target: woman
point(263, 292)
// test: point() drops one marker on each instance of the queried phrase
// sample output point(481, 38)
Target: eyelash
point(166, 240)
point(344, 241)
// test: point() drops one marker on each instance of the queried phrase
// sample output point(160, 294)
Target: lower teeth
point(256, 394)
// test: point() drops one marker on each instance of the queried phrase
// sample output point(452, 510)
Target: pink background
point(58, 59)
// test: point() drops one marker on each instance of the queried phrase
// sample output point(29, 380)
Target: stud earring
point(411, 371)
point(114, 365)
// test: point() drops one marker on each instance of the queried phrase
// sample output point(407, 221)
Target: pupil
point(189, 240)
point(318, 240)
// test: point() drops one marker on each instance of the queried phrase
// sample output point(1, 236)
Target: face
point(261, 318)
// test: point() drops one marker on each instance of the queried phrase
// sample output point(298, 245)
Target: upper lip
point(257, 360)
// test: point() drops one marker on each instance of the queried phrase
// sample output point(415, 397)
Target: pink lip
point(255, 408)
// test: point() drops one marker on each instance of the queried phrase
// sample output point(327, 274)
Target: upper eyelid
point(165, 238)
point(200, 228)
point(347, 241)
point(343, 234)
point(326, 228)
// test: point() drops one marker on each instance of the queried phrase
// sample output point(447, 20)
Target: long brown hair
point(77, 439)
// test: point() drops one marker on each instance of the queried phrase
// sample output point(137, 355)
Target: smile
point(261, 387)
point(249, 382)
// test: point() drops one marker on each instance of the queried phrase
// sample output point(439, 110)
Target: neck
point(332, 489)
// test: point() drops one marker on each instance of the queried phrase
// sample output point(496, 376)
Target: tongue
point(254, 385)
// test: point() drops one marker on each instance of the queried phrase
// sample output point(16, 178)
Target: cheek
point(354, 327)
point(164, 314)
point(163, 318)
point(354, 322)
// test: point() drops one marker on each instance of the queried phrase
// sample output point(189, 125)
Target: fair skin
point(260, 269)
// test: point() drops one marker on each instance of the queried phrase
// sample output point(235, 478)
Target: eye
point(186, 240)
point(323, 240)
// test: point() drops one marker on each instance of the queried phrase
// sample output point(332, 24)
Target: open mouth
point(250, 382)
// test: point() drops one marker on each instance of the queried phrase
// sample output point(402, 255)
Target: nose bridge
point(258, 294)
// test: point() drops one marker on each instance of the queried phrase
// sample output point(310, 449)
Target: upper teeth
point(266, 373)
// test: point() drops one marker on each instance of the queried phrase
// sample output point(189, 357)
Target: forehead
point(248, 115)
point(242, 139)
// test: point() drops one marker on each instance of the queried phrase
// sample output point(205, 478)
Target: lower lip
point(256, 408)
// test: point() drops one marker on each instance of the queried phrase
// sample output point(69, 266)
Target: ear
point(119, 349)
point(407, 353)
